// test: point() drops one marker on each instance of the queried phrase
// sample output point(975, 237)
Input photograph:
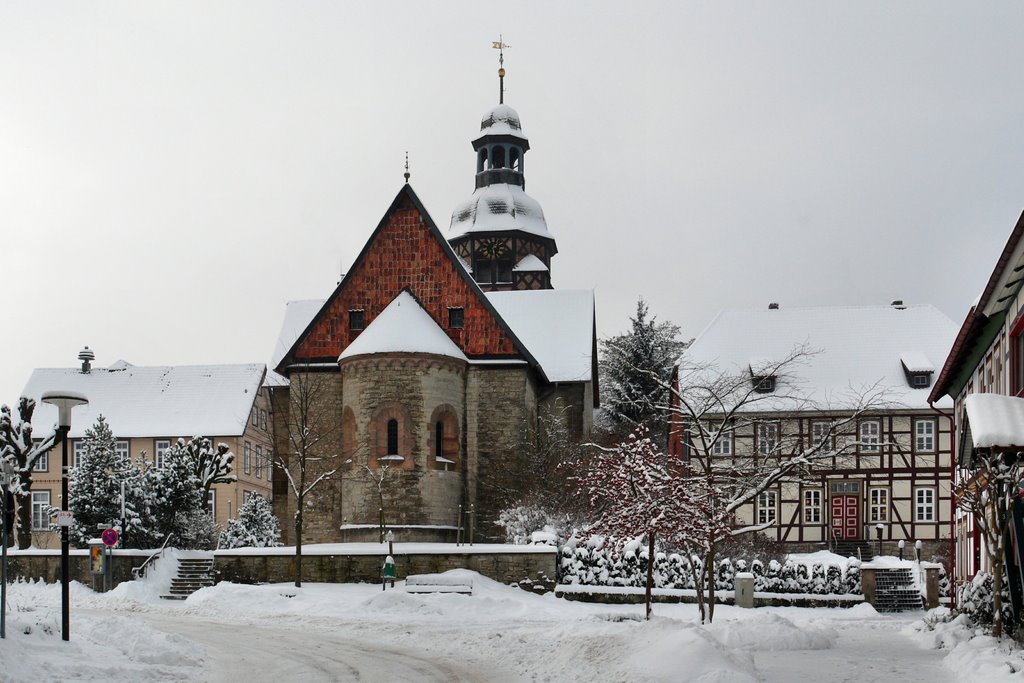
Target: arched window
point(513, 159)
point(445, 450)
point(481, 160)
point(392, 437)
point(499, 157)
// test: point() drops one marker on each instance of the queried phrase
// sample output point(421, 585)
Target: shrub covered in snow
point(975, 599)
point(522, 522)
point(256, 526)
point(592, 564)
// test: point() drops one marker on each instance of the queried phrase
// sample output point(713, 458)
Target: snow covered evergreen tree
point(256, 526)
point(175, 491)
point(94, 491)
point(635, 368)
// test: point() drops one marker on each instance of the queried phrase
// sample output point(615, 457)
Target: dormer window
point(918, 369)
point(762, 375)
point(764, 384)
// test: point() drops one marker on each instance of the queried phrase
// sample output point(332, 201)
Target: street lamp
point(65, 401)
point(917, 550)
point(902, 544)
point(7, 478)
point(878, 532)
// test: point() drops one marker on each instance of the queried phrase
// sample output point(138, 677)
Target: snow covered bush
point(521, 521)
point(852, 583)
point(256, 526)
point(195, 530)
point(975, 599)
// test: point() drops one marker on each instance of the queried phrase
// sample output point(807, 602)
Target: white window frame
point(247, 458)
point(924, 440)
point(870, 443)
point(878, 504)
point(820, 432)
point(259, 461)
point(723, 445)
point(211, 503)
point(78, 453)
point(263, 419)
point(812, 506)
point(767, 437)
point(269, 462)
point(43, 463)
point(767, 507)
point(160, 448)
point(924, 504)
point(40, 515)
point(121, 447)
point(255, 416)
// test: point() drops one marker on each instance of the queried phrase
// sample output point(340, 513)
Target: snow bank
point(973, 655)
point(772, 632)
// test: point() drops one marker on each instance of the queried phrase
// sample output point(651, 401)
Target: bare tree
point(378, 477)
point(709, 406)
point(19, 448)
point(989, 495)
point(310, 430)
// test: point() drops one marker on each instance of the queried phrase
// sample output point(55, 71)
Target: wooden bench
point(438, 583)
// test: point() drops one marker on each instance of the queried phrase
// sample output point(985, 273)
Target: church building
point(422, 375)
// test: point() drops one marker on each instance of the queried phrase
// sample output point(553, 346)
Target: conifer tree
point(256, 526)
point(94, 491)
point(175, 491)
point(634, 369)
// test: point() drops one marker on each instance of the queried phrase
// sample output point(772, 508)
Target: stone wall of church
point(501, 413)
point(413, 390)
point(571, 401)
point(314, 400)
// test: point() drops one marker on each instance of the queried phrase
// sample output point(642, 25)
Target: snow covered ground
point(332, 632)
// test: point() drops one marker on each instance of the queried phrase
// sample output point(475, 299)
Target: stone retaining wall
point(273, 568)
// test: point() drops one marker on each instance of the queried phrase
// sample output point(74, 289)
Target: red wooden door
point(846, 516)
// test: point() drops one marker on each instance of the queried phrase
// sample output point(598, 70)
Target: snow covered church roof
point(853, 348)
point(501, 120)
point(557, 326)
point(297, 315)
point(499, 207)
point(403, 327)
point(168, 401)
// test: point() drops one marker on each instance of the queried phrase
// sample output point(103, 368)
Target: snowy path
point(864, 651)
point(237, 651)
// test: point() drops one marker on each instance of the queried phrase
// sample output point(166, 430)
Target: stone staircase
point(859, 549)
point(193, 573)
point(895, 591)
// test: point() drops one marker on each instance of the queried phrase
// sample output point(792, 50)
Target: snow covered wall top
point(167, 401)
point(857, 347)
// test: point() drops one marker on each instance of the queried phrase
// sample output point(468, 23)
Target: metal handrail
point(139, 571)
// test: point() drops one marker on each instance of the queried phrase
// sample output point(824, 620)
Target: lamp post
point(7, 477)
point(878, 532)
point(902, 544)
point(65, 401)
point(917, 550)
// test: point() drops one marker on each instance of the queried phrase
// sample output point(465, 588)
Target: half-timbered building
point(987, 357)
point(886, 477)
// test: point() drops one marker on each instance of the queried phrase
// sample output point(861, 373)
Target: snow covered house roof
point(530, 264)
point(853, 349)
point(501, 120)
point(500, 207)
point(995, 421)
point(138, 401)
point(557, 325)
point(403, 327)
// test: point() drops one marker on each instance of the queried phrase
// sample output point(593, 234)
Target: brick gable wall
point(405, 254)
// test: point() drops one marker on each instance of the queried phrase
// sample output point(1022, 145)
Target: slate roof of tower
point(857, 347)
point(500, 207)
point(141, 401)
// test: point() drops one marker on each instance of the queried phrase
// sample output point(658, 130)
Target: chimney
point(86, 356)
point(897, 303)
point(773, 306)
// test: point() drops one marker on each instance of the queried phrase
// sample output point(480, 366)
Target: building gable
point(406, 252)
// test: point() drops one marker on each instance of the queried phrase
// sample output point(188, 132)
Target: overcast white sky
point(172, 173)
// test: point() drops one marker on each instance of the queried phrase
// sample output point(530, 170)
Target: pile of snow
point(769, 631)
point(973, 655)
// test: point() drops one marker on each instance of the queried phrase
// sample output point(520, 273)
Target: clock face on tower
point(492, 248)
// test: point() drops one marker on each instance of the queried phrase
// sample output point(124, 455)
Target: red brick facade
point(404, 253)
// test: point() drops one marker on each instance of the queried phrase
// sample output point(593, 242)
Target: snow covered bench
point(449, 582)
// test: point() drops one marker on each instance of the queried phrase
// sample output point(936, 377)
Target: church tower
point(500, 232)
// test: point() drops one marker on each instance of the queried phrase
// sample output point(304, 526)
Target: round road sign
point(109, 538)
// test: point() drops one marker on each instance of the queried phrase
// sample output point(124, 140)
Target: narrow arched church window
point(392, 436)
